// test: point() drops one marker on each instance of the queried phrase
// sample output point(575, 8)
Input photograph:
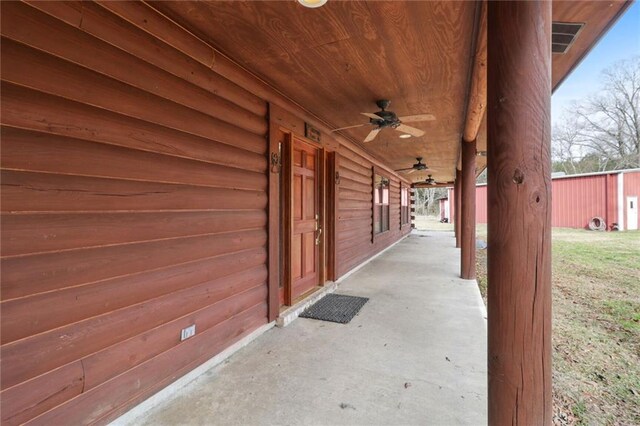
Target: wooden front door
point(305, 232)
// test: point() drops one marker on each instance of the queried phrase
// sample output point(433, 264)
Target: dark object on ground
point(338, 308)
point(597, 224)
point(444, 220)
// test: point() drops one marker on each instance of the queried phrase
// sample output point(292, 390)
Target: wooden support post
point(519, 208)
point(468, 212)
point(457, 190)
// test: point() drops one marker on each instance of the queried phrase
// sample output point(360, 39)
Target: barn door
point(305, 222)
point(632, 213)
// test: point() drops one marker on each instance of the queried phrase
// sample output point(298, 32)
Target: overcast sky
point(621, 42)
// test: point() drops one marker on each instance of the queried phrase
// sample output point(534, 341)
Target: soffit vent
point(563, 34)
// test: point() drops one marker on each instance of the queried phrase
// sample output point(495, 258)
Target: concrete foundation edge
point(133, 416)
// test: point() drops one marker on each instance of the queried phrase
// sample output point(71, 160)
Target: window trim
point(379, 172)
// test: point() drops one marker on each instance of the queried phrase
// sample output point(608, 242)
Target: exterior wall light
point(312, 4)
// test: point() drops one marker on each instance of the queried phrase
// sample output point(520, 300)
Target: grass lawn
point(596, 325)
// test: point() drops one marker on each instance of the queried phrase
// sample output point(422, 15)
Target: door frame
point(287, 217)
point(332, 198)
point(629, 200)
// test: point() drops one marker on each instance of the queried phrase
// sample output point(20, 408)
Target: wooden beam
point(437, 185)
point(477, 103)
point(457, 190)
point(519, 209)
point(468, 212)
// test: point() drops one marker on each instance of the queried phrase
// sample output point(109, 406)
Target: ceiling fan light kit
point(384, 118)
point(419, 166)
point(312, 4)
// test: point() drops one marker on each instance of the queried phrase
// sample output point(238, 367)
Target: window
point(405, 216)
point(380, 204)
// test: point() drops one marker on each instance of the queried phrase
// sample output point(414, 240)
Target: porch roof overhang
point(337, 60)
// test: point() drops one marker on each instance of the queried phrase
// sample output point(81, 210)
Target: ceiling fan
point(384, 118)
point(419, 166)
point(431, 181)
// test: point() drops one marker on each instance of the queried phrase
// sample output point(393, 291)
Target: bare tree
point(426, 200)
point(603, 132)
point(565, 150)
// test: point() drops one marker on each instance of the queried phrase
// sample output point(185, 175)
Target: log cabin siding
point(134, 204)
point(355, 213)
point(134, 195)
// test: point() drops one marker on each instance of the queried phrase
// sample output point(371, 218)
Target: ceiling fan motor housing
point(387, 119)
point(383, 104)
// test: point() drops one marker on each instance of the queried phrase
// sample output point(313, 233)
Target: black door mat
point(335, 308)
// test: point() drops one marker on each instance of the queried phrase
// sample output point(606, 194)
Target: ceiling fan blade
point(404, 170)
point(372, 115)
point(410, 130)
point(351, 127)
point(418, 117)
point(372, 135)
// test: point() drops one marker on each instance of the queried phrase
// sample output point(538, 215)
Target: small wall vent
point(563, 34)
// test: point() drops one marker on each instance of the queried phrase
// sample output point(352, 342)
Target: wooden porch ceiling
point(337, 60)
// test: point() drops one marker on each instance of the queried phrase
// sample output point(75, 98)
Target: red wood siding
point(133, 205)
point(355, 213)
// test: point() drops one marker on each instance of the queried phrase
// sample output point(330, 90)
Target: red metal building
point(612, 196)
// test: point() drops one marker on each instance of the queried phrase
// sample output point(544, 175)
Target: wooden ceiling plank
point(334, 62)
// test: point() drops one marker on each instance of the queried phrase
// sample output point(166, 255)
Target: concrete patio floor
point(415, 354)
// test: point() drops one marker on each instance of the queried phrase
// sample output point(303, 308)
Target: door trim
point(287, 219)
point(631, 200)
point(332, 198)
point(287, 216)
point(274, 164)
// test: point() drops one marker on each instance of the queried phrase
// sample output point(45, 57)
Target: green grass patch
point(579, 411)
point(596, 325)
point(626, 313)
